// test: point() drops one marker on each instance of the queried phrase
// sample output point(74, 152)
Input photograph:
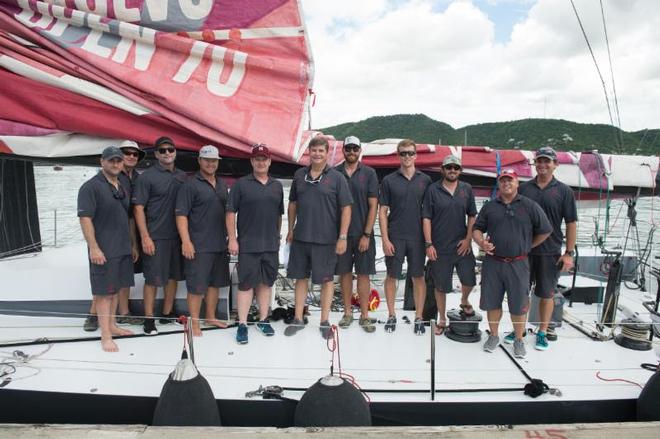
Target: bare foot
point(197, 332)
point(116, 330)
point(109, 345)
point(215, 322)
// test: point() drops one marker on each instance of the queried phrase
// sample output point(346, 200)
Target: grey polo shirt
point(558, 203)
point(363, 185)
point(404, 198)
point(204, 206)
point(108, 208)
point(319, 204)
point(448, 214)
point(511, 227)
point(259, 208)
point(156, 190)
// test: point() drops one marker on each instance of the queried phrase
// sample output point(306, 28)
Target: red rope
point(617, 379)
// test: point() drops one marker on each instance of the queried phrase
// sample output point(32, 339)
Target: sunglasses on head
point(407, 153)
point(351, 148)
point(132, 153)
point(166, 150)
point(453, 168)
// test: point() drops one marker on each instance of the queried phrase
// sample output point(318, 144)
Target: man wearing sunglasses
point(546, 261)
point(361, 246)
point(319, 216)
point(400, 219)
point(154, 201)
point(448, 236)
point(514, 224)
point(200, 219)
point(103, 205)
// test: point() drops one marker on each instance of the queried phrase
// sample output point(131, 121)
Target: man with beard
point(103, 205)
point(200, 219)
point(361, 246)
point(448, 237)
point(154, 201)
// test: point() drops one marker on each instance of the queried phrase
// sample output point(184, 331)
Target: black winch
point(463, 327)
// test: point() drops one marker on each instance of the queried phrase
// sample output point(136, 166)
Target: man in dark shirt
point(546, 261)
point(154, 201)
point(514, 224)
point(447, 205)
point(361, 246)
point(258, 200)
point(400, 219)
point(103, 211)
point(200, 220)
point(319, 216)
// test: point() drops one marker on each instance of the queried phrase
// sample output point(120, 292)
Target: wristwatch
point(428, 244)
point(342, 237)
point(366, 234)
point(570, 253)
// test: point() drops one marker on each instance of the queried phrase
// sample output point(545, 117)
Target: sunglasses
point(453, 168)
point(351, 148)
point(407, 153)
point(166, 150)
point(310, 180)
point(118, 194)
point(509, 211)
point(132, 153)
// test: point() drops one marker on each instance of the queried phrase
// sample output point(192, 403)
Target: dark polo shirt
point(319, 205)
point(204, 206)
point(108, 209)
point(447, 213)
point(511, 227)
point(129, 183)
point(259, 208)
point(404, 198)
point(363, 185)
point(558, 203)
point(156, 190)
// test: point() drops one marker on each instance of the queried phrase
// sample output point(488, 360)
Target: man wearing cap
point(154, 201)
point(258, 200)
point(400, 219)
point(546, 261)
point(319, 217)
point(514, 224)
point(361, 246)
point(448, 237)
point(200, 219)
point(103, 205)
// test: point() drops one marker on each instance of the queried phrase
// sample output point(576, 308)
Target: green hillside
point(523, 134)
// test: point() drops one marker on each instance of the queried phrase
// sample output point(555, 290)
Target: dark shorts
point(165, 264)
point(207, 270)
point(109, 278)
point(442, 270)
point(414, 253)
point(498, 277)
point(365, 262)
point(255, 269)
point(319, 259)
point(544, 274)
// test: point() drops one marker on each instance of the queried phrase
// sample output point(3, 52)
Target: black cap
point(546, 151)
point(112, 152)
point(164, 140)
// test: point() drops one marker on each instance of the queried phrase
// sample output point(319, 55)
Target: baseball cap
point(112, 152)
point(163, 141)
point(451, 160)
point(546, 151)
point(209, 152)
point(129, 144)
point(352, 140)
point(508, 173)
point(260, 150)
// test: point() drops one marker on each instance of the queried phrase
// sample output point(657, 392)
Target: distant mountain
point(524, 134)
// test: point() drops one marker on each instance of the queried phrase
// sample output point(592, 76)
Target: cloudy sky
point(471, 61)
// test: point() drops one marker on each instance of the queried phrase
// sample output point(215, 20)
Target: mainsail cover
point(75, 74)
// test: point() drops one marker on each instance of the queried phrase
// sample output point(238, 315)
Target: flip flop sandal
point(467, 310)
point(439, 329)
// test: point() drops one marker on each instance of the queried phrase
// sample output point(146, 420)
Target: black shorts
point(207, 270)
point(498, 277)
point(255, 269)
point(544, 274)
point(442, 270)
point(109, 278)
point(318, 259)
point(414, 253)
point(365, 262)
point(165, 264)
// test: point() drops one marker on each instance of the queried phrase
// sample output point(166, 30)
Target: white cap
point(352, 140)
point(209, 152)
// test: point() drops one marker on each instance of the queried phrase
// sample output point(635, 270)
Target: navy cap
point(112, 152)
point(164, 141)
point(546, 151)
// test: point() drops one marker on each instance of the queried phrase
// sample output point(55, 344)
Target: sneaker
point(149, 326)
point(550, 334)
point(390, 325)
point(169, 319)
point(91, 323)
point(519, 350)
point(511, 337)
point(491, 343)
point(346, 321)
point(326, 330)
point(295, 326)
point(541, 341)
point(265, 328)
point(128, 319)
point(367, 325)
point(419, 327)
point(242, 334)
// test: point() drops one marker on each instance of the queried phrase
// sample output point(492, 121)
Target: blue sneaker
point(265, 328)
point(511, 336)
point(242, 334)
point(541, 341)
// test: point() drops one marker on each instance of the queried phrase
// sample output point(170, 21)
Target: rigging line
point(609, 56)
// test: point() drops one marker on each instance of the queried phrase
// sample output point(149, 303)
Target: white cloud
point(377, 57)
